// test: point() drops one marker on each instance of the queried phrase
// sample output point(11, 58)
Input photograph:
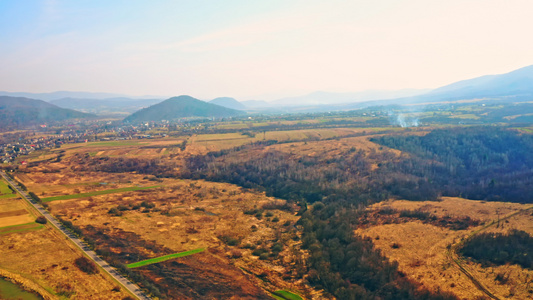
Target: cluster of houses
point(9, 152)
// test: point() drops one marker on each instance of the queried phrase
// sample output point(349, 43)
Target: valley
point(247, 234)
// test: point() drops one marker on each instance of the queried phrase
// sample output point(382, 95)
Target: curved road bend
point(130, 286)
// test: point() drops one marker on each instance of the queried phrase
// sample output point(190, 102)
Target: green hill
point(19, 111)
point(181, 107)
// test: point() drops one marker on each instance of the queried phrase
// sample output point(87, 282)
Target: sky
point(257, 49)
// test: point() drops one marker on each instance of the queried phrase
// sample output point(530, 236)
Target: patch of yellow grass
point(14, 205)
point(421, 249)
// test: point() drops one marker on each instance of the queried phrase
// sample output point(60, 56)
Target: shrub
point(114, 212)
point(147, 204)
point(259, 252)
point(277, 247)
point(86, 265)
point(229, 240)
point(417, 214)
point(41, 220)
point(236, 253)
point(122, 207)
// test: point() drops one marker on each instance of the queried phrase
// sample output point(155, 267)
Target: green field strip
point(286, 295)
point(163, 258)
point(7, 196)
point(17, 225)
point(14, 230)
point(96, 193)
point(5, 191)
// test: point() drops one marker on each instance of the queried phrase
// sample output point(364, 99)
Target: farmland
point(25, 248)
point(164, 258)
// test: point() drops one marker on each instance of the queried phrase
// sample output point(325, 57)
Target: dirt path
point(128, 285)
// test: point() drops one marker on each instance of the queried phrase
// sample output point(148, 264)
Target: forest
point(516, 247)
point(482, 163)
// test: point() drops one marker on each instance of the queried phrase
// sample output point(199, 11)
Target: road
point(130, 286)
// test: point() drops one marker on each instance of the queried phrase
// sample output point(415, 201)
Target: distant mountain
point(61, 94)
point(327, 98)
point(181, 107)
point(19, 111)
point(516, 85)
point(105, 106)
point(255, 103)
point(228, 102)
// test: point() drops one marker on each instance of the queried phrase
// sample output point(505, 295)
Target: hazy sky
point(257, 49)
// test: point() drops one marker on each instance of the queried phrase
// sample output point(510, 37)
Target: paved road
point(130, 286)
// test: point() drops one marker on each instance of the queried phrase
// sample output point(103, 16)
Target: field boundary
point(164, 258)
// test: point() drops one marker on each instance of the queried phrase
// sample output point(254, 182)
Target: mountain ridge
point(21, 111)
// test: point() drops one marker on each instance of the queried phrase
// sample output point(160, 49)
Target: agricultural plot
point(45, 262)
point(286, 295)
point(164, 258)
point(201, 144)
point(36, 256)
point(96, 193)
point(68, 183)
point(5, 191)
point(14, 211)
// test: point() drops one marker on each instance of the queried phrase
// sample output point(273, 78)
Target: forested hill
point(484, 163)
point(181, 107)
point(19, 111)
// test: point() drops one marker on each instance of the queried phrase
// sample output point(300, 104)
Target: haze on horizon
point(257, 49)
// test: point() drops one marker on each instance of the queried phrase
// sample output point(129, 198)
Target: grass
point(20, 228)
point(5, 191)
point(286, 295)
point(163, 258)
point(96, 193)
point(10, 290)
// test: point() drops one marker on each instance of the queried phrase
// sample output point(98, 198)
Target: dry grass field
point(46, 259)
point(38, 257)
point(421, 249)
point(198, 214)
point(15, 214)
point(14, 211)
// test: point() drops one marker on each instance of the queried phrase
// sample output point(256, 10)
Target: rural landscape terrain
point(191, 200)
point(285, 150)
